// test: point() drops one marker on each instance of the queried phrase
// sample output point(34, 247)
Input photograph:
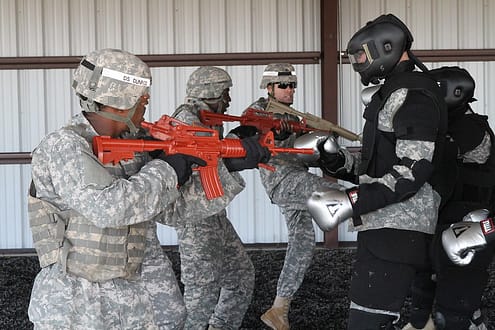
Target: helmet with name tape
point(276, 73)
point(111, 77)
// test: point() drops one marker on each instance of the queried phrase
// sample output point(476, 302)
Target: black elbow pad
point(421, 171)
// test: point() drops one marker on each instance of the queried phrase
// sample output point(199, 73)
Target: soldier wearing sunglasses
point(289, 187)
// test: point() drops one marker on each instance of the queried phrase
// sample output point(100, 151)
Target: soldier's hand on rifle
point(255, 154)
point(285, 127)
point(182, 164)
point(244, 131)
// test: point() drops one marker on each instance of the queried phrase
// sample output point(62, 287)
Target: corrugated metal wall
point(35, 102)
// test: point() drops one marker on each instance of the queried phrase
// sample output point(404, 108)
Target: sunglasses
point(285, 85)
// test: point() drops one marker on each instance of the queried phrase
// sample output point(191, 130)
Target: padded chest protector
point(378, 150)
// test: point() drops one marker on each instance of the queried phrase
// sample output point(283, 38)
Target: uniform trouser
point(457, 290)
point(217, 274)
point(290, 188)
point(385, 265)
point(61, 301)
point(300, 249)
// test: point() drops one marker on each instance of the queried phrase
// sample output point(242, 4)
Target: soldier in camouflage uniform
point(94, 226)
point(394, 206)
point(216, 271)
point(289, 187)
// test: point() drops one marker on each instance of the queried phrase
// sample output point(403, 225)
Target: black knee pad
point(423, 294)
point(419, 317)
point(360, 320)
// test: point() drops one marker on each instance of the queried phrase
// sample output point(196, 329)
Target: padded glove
point(255, 154)
point(331, 158)
point(329, 208)
point(181, 163)
point(462, 239)
point(311, 140)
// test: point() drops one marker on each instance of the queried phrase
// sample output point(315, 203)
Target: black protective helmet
point(457, 85)
point(376, 48)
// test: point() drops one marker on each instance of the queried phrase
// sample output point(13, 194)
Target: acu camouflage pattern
point(417, 213)
point(68, 176)
point(289, 187)
point(480, 154)
point(106, 90)
point(208, 82)
point(217, 273)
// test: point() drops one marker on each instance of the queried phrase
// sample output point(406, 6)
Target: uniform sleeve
point(192, 202)
point(415, 125)
point(85, 185)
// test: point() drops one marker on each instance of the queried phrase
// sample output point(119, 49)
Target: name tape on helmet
point(276, 73)
point(127, 78)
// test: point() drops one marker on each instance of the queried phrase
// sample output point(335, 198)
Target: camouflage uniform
point(94, 226)
point(216, 271)
point(289, 187)
point(150, 299)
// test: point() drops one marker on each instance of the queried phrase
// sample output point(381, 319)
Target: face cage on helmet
point(361, 59)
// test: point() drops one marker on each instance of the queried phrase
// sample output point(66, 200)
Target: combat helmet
point(276, 73)
point(208, 82)
point(457, 85)
point(113, 78)
point(376, 48)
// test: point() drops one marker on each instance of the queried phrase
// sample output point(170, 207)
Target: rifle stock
point(174, 136)
point(312, 120)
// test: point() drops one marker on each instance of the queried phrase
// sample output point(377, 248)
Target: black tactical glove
point(285, 128)
point(244, 131)
point(255, 154)
point(181, 163)
point(330, 163)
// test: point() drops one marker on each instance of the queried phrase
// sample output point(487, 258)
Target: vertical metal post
point(329, 77)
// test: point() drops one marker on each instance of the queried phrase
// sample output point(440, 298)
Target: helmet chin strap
point(91, 106)
point(218, 101)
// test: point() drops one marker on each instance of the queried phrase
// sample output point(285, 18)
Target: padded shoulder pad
point(423, 115)
point(418, 118)
point(468, 131)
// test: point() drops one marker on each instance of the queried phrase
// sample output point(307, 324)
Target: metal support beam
point(167, 60)
point(329, 78)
